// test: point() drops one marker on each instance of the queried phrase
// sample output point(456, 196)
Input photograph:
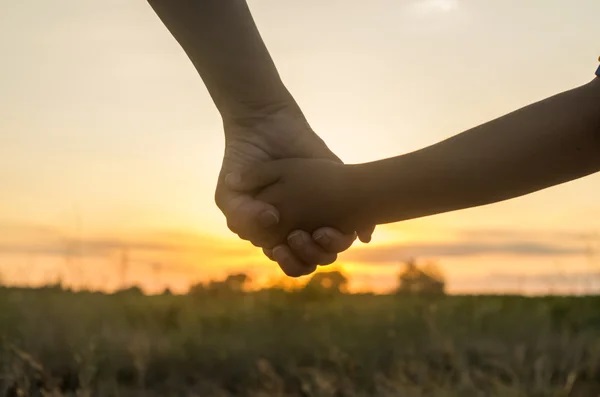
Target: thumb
point(254, 177)
point(366, 233)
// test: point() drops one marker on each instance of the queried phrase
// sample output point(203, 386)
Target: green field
point(276, 343)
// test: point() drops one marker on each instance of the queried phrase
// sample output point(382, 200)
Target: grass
point(273, 343)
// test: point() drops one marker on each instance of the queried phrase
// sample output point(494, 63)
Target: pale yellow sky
point(106, 131)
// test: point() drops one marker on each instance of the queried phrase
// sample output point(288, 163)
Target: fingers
point(291, 265)
point(249, 218)
point(305, 249)
point(332, 240)
point(256, 177)
point(305, 252)
point(365, 234)
point(302, 255)
point(268, 253)
point(245, 213)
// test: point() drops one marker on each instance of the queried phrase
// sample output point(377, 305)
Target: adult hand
point(275, 135)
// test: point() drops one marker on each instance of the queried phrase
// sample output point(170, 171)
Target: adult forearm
point(544, 144)
point(223, 43)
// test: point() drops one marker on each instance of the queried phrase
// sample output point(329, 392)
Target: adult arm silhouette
point(261, 119)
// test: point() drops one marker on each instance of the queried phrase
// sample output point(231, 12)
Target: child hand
point(308, 193)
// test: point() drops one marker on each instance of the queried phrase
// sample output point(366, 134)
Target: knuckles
point(256, 236)
point(219, 199)
point(296, 270)
point(328, 260)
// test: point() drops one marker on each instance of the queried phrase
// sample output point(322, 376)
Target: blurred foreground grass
point(276, 343)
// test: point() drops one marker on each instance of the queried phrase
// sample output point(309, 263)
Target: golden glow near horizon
point(108, 137)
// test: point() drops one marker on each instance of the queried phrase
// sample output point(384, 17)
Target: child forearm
point(544, 144)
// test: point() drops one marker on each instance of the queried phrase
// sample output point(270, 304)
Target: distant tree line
point(413, 279)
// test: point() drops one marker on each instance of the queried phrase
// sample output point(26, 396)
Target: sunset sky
point(110, 145)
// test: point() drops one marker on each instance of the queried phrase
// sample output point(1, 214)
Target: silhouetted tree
point(132, 290)
point(420, 280)
point(197, 289)
point(326, 283)
point(237, 282)
point(233, 284)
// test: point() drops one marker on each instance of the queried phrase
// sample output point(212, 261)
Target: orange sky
point(109, 142)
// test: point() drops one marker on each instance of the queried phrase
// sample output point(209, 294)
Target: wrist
point(359, 191)
point(386, 189)
point(256, 114)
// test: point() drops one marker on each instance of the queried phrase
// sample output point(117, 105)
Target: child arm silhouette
point(541, 145)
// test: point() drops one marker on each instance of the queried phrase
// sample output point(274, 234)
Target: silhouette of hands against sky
point(307, 191)
point(262, 122)
point(280, 135)
point(281, 188)
point(544, 144)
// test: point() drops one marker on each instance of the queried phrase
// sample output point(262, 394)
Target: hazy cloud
point(40, 240)
point(424, 7)
point(84, 247)
point(427, 250)
point(530, 235)
point(544, 278)
point(20, 239)
point(11, 229)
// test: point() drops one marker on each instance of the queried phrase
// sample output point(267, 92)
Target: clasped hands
point(280, 188)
